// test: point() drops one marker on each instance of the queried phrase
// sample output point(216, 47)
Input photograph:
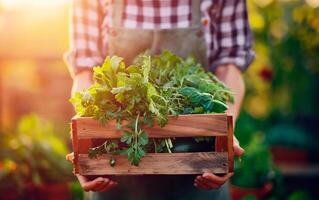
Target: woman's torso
point(183, 37)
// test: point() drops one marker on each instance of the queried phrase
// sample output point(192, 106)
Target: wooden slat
point(181, 126)
point(156, 163)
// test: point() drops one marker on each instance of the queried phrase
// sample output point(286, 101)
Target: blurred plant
point(245, 128)
point(76, 191)
point(33, 155)
point(292, 136)
point(249, 197)
point(299, 195)
point(282, 94)
point(9, 176)
point(291, 35)
point(255, 168)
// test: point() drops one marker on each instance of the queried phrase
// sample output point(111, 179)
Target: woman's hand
point(238, 151)
point(232, 77)
point(99, 184)
point(211, 181)
point(82, 81)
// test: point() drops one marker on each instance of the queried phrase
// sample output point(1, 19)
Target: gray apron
point(128, 43)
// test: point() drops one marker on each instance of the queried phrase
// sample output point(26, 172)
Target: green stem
point(136, 122)
point(170, 143)
point(136, 133)
point(155, 145)
point(167, 146)
point(104, 144)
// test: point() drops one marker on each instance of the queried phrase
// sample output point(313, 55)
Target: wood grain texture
point(156, 163)
point(75, 144)
point(85, 130)
point(230, 148)
point(181, 126)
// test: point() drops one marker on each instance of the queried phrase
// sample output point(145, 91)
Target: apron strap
point(196, 13)
point(117, 13)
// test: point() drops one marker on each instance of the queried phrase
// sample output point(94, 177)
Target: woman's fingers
point(207, 183)
point(111, 185)
point(211, 181)
point(70, 157)
point(101, 186)
point(238, 151)
point(107, 186)
point(212, 178)
point(97, 185)
point(217, 179)
point(82, 179)
point(200, 184)
point(92, 185)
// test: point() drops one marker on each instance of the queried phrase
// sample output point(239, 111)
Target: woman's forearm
point(233, 78)
point(81, 81)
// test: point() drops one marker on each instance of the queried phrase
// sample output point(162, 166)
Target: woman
point(215, 32)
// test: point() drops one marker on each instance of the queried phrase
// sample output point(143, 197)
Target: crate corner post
point(74, 132)
point(230, 143)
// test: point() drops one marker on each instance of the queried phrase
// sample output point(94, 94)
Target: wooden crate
point(219, 161)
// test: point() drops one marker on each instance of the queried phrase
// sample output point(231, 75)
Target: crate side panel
point(160, 163)
point(182, 126)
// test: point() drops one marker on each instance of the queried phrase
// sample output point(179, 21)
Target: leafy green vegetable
point(153, 88)
point(256, 167)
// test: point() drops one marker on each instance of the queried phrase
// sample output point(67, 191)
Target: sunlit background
point(278, 123)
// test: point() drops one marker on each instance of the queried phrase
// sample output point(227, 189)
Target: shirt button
point(205, 22)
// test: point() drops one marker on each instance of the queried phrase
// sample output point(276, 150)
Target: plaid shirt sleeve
point(230, 35)
point(85, 44)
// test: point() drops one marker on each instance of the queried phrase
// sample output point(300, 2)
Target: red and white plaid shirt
point(227, 32)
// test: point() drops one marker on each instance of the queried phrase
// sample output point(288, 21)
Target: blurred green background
point(278, 125)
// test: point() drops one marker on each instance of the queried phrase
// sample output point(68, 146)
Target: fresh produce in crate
point(147, 94)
